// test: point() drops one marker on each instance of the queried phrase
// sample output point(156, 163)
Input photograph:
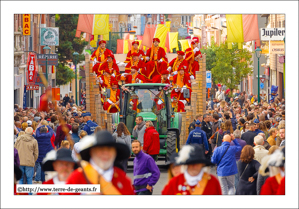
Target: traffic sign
point(262, 85)
point(262, 80)
point(209, 79)
point(32, 87)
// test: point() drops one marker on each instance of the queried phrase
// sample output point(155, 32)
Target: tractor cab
point(152, 102)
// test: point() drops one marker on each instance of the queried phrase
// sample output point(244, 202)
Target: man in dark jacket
point(197, 136)
point(248, 136)
point(207, 128)
point(146, 171)
point(43, 138)
point(151, 144)
point(192, 125)
point(65, 99)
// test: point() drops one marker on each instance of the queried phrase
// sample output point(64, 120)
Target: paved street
point(163, 176)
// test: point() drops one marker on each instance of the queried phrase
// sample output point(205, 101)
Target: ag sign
point(49, 36)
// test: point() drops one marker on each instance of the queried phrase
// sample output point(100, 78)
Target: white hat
point(29, 122)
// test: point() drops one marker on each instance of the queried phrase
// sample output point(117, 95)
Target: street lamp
point(47, 50)
point(75, 54)
point(258, 55)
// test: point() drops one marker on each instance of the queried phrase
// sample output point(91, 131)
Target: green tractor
point(152, 102)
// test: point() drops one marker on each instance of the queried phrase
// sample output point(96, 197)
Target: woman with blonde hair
point(173, 169)
point(34, 125)
point(24, 126)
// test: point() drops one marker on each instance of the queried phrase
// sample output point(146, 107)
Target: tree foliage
point(64, 74)
point(113, 40)
point(228, 66)
point(68, 43)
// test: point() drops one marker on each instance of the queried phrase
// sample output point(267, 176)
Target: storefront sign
point(49, 36)
point(52, 59)
point(26, 25)
point(32, 87)
point(265, 47)
point(31, 71)
point(276, 47)
point(272, 34)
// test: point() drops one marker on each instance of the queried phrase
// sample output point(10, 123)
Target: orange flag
point(251, 28)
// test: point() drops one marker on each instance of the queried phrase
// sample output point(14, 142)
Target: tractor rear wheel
point(171, 144)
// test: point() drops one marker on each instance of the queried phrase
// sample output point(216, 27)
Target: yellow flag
point(100, 25)
point(161, 33)
point(234, 30)
point(126, 47)
point(173, 41)
point(184, 44)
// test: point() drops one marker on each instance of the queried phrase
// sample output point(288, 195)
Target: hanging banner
point(26, 25)
point(31, 71)
point(24, 98)
point(276, 47)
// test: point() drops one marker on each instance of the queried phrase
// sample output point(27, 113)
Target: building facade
point(23, 44)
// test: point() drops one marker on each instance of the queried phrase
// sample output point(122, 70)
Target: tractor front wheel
point(171, 144)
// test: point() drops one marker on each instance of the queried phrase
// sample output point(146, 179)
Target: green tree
point(64, 74)
point(68, 43)
point(113, 40)
point(231, 65)
point(210, 52)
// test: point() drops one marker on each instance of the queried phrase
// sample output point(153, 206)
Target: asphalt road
point(163, 175)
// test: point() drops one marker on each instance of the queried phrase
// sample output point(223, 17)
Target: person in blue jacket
point(225, 158)
point(90, 126)
point(197, 136)
point(257, 130)
point(43, 138)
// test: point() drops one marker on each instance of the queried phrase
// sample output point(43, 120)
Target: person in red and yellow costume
point(156, 57)
point(192, 56)
point(194, 180)
point(177, 63)
point(181, 81)
point(133, 77)
point(135, 61)
point(106, 79)
point(100, 55)
point(98, 154)
point(111, 65)
point(135, 49)
point(60, 161)
point(112, 103)
point(163, 78)
point(272, 184)
point(177, 105)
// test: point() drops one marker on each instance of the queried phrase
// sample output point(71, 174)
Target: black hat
point(103, 138)
point(192, 154)
point(62, 154)
point(18, 172)
point(172, 159)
